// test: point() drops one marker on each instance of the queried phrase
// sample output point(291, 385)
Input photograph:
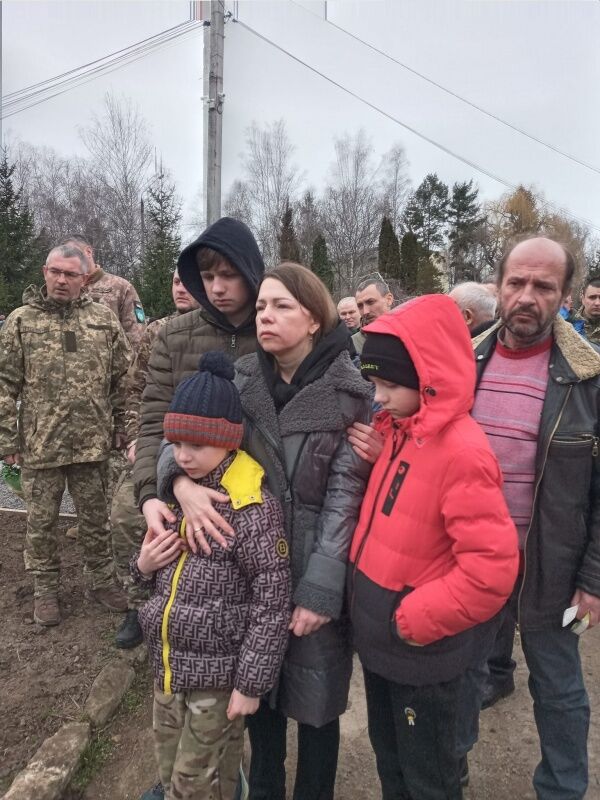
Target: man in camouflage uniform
point(112, 291)
point(128, 525)
point(65, 358)
point(589, 313)
point(121, 297)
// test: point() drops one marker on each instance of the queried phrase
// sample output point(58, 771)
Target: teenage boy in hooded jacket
point(221, 269)
point(434, 554)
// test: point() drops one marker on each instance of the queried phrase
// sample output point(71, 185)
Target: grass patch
point(92, 759)
point(137, 693)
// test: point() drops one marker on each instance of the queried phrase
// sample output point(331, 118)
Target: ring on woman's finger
point(197, 530)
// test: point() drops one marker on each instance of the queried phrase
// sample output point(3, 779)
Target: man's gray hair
point(378, 283)
point(350, 298)
point(69, 251)
point(474, 296)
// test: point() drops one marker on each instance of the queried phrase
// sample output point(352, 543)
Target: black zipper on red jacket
point(396, 448)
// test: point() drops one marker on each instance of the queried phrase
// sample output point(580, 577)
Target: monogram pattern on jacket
point(227, 627)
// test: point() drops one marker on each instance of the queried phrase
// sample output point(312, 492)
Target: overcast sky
point(534, 64)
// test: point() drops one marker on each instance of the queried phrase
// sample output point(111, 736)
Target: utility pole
point(213, 110)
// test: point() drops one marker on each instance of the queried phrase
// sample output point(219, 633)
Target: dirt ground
point(46, 675)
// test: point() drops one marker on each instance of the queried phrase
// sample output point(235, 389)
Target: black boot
point(129, 634)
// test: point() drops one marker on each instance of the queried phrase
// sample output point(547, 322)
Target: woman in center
point(299, 393)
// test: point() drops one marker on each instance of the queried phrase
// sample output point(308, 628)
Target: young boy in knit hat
point(217, 624)
point(434, 555)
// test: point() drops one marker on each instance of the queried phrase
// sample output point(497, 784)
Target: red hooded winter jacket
point(435, 550)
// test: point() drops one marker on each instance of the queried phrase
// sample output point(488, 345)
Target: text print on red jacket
point(435, 550)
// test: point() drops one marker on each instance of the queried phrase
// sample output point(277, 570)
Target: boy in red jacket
point(434, 555)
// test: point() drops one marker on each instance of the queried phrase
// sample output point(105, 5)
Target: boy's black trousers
point(413, 733)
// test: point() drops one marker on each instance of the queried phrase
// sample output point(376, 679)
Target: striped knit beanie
point(206, 408)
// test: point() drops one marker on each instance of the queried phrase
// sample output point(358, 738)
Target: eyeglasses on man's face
point(67, 273)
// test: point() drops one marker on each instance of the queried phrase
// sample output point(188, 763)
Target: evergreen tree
point(464, 219)
point(426, 212)
point(20, 251)
point(411, 254)
point(320, 263)
point(428, 278)
point(289, 249)
point(389, 251)
point(161, 247)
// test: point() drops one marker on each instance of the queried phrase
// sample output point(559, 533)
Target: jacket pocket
point(233, 625)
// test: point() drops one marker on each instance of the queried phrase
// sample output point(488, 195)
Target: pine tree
point(428, 278)
point(411, 254)
point(20, 250)
point(161, 248)
point(464, 219)
point(426, 212)
point(320, 263)
point(289, 249)
point(389, 251)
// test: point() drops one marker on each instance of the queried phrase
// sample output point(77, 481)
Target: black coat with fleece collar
point(562, 548)
point(312, 469)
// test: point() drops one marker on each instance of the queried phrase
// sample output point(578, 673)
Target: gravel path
point(8, 499)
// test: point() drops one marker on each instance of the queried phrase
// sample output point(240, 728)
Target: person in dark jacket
point(299, 394)
point(216, 625)
point(221, 269)
point(435, 551)
point(538, 399)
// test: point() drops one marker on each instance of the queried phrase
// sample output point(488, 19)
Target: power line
point(412, 130)
point(460, 98)
point(164, 40)
point(28, 89)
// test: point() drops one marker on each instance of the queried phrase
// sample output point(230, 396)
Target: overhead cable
point(28, 89)
point(459, 97)
point(408, 127)
point(107, 65)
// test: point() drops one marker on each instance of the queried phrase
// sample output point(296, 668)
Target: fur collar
point(581, 357)
point(318, 407)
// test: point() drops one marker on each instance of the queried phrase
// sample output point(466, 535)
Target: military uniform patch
point(282, 548)
point(139, 312)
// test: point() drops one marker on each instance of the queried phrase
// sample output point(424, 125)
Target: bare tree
point(64, 196)
point(120, 157)
point(271, 182)
point(352, 209)
point(395, 185)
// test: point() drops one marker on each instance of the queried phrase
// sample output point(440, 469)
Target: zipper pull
point(595, 447)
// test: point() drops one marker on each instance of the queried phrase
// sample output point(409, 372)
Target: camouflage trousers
point(42, 492)
point(198, 750)
point(127, 527)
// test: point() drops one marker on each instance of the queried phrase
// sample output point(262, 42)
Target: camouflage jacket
point(67, 365)
point(119, 295)
point(591, 329)
point(136, 377)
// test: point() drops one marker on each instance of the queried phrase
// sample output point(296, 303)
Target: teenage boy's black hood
point(233, 240)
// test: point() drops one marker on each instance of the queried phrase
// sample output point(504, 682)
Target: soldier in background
point(65, 358)
point(588, 316)
point(112, 291)
point(120, 296)
point(128, 525)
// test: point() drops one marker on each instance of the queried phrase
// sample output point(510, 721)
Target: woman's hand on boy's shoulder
point(240, 705)
point(366, 441)
point(158, 550)
point(202, 518)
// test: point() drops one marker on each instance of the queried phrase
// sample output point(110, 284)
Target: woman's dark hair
point(310, 292)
